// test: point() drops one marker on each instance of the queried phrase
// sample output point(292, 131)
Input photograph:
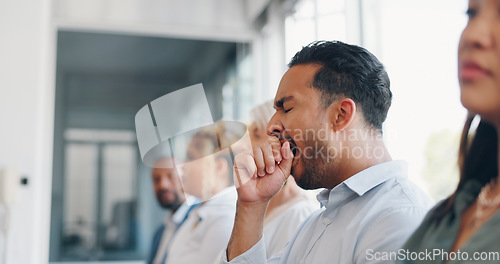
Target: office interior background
point(74, 73)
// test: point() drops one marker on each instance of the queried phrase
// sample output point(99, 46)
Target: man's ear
point(342, 113)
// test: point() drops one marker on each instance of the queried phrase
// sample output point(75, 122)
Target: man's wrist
point(254, 205)
point(248, 227)
point(251, 214)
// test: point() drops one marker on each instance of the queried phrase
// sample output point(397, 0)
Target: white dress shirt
point(206, 231)
point(281, 224)
point(172, 221)
point(375, 210)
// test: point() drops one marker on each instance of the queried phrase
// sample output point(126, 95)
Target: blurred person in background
point(208, 175)
point(291, 206)
point(468, 221)
point(168, 191)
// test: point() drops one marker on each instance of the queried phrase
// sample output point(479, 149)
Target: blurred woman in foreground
point(465, 228)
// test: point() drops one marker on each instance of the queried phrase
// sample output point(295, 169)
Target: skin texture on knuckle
point(243, 161)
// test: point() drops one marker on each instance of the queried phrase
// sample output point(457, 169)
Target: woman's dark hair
point(477, 160)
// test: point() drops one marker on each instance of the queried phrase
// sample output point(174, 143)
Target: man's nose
point(165, 183)
point(274, 127)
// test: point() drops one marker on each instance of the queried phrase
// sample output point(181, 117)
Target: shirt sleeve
point(383, 238)
point(255, 255)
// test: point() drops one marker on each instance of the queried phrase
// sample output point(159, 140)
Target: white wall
point(27, 69)
point(254, 8)
point(26, 103)
point(200, 19)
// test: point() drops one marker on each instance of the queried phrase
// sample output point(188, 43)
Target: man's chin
point(305, 180)
point(302, 184)
point(170, 204)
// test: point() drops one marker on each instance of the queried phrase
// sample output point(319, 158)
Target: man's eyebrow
point(281, 102)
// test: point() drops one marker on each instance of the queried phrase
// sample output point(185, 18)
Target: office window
point(417, 42)
point(100, 194)
point(238, 90)
point(80, 196)
point(314, 20)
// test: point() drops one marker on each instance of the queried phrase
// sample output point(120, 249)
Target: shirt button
point(326, 221)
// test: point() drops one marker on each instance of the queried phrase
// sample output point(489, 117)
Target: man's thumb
point(286, 163)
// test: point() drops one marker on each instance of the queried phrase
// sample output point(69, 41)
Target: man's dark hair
point(349, 71)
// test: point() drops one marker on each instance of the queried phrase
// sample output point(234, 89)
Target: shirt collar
point(225, 198)
point(220, 197)
point(369, 178)
point(181, 212)
point(363, 181)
